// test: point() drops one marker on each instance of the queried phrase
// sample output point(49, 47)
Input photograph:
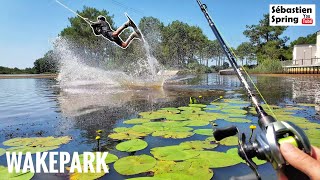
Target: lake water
point(40, 107)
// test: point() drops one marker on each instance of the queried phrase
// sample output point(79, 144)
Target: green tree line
point(176, 45)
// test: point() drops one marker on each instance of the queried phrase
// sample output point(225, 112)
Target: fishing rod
point(266, 145)
point(63, 5)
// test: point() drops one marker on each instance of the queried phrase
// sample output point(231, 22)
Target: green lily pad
point(173, 153)
point(173, 134)
point(134, 164)
point(36, 144)
point(238, 120)
point(206, 132)
point(172, 111)
point(191, 109)
point(2, 151)
point(136, 121)
point(234, 111)
point(198, 105)
point(109, 159)
point(146, 178)
point(175, 176)
point(201, 117)
point(14, 176)
point(132, 145)
point(86, 176)
point(153, 115)
point(127, 135)
point(121, 129)
point(229, 141)
point(143, 129)
point(306, 104)
point(198, 145)
point(234, 152)
point(197, 123)
point(175, 117)
point(217, 159)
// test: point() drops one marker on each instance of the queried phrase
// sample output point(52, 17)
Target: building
point(307, 54)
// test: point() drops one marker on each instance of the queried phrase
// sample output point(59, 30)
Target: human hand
point(310, 165)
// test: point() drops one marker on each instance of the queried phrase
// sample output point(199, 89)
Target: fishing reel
point(266, 146)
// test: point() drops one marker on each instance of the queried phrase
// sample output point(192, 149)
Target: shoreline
point(28, 76)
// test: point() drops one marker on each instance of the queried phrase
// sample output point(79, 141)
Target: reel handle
point(221, 133)
point(293, 173)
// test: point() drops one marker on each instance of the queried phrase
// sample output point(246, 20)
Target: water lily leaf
point(229, 141)
point(191, 109)
point(14, 176)
point(234, 111)
point(132, 145)
point(173, 153)
point(2, 151)
point(86, 176)
point(206, 132)
point(109, 159)
point(121, 129)
point(314, 136)
point(238, 120)
point(234, 152)
point(170, 111)
point(198, 145)
point(174, 176)
point(173, 134)
point(136, 121)
point(169, 108)
point(143, 129)
point(32, 150)
point(197, 123)
point(134, 164)
point(36, 144)
point(127, 135)
point(195, 169)
point(153, 115)
point(217, 159)
point(175, 117)
point(236, 101)
point(147, 178)
point(306, 104)
point(198, 105)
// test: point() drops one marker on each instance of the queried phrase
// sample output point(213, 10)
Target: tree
point(266, 39)
point(245, 51)
point(47, 64)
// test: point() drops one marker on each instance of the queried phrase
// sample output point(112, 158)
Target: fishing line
point(126, 7)
point(251, 80)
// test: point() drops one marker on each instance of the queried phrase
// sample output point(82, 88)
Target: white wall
point(318, 44)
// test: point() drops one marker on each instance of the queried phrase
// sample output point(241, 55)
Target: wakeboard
point(135, 27)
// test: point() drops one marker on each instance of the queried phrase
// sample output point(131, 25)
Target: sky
point(29, 26)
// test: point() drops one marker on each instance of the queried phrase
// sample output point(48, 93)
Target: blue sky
point(28, 26)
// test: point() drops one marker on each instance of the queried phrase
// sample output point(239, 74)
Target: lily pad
point(197, 123)
point(153, 115)
point(229, 141)
point(173, 153)
point(36, 144)
point(173, 134)
point(146, 178)
point(191, 109)
point(109, 159)
point(175, 117)
point(206, 132)
point(136, 121)
point(198, 105)
point(217, 159)
point(132, 145)
point(85, 176)
point(2, 151)
point(121, 129)
point(143, 129)
point(234, 151)
point(196, 169)
point(238, 120)
point(134, 164)
point(234, 111)
point(14, 176)
point(127, 135)
point(198, 145)
point(175, 176)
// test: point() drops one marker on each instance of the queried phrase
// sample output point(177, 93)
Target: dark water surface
point(38, 107)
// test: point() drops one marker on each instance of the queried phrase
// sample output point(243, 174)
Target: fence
point(302, 62)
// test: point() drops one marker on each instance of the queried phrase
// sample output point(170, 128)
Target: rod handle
point(222, 133)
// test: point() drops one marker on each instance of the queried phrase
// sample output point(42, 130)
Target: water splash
point(76, 74)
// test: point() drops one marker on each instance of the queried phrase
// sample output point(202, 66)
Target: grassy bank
point(28, 76)
point(267, 67)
